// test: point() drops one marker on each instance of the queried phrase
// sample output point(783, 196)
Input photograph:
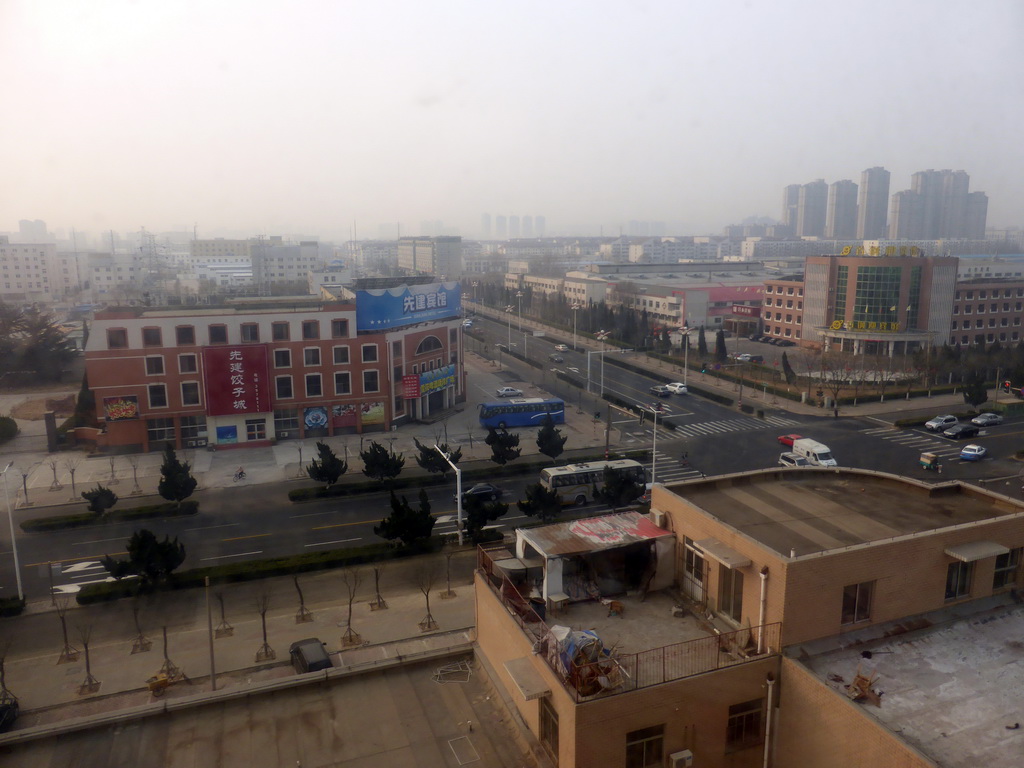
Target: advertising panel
point(236, 380)
point(437, 379)
point(121, 408)
point(411, 386)
point(746, 310)
point(373, 413)
point(227, 435)
point(378, 310)
point(344, 415)
point(315, 417)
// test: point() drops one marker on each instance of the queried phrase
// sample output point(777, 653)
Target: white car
point(676, 388)
point(561, 348)
point(509, 392)
point(941, 423)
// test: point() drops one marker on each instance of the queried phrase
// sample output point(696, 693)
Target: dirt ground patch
point(33, 410)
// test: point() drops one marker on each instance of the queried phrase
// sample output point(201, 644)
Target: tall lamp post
point(508, 312)
point(602, 335)
point(575, 308)
point(14, 543)
point(685, 331)
point(458, 487)
point(519, 299)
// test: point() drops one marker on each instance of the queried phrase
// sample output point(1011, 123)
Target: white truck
point(817, 453)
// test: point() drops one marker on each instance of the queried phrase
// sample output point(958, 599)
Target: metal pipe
point(770, 680)
point(14, 543)
point(458, 488)
point(764, 609)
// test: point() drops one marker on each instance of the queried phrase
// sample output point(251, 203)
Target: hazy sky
point(306, 116)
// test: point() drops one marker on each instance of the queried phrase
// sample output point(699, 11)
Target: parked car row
point(950, 426)
point(773, 340)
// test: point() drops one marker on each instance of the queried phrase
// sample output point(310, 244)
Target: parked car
point(509, 392)
point(755, 337)
point(660, 390)
point(484, 491)
point(556, 358)
point(940, 423)
point(961, 431)
point(785, 343)
point(987, 419)
point(677, 388)
point(742, 358)
point(789, 459)
point(973, 452)
point(788, 439)
point(309, 655)
point(467, 323)
point(755, 359)
point(561, 348)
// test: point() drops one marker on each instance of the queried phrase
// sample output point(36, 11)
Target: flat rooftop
point(809, 510)
point(952, 689)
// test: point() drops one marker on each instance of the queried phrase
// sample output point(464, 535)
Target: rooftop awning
point(527, 679)
point(727, 556)
point(976, 550)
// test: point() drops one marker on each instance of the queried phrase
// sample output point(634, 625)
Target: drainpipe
point(768, 719)
point(764, 607)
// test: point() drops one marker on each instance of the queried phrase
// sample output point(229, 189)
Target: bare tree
point(141, 643)
point(112, 480)
point(424, 577)
point(265, 653)
point(224, 629)
point(449, 553)
point(378, 603)
point(303, 615)
point(352, 577)
point(69, 653)
point(52, 463)
point(72, 465)
point(810, 361)
point(169, 669)
point(134, 462)
point(90, 684)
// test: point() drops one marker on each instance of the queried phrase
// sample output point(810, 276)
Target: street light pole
point(519, 299)
point(686, 355)
point(458, 488)
point(14, 543)
point(654, 446)
point(575, 308)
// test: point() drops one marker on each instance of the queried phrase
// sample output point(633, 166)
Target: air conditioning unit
point(199, 443)
point(682, 759)
point(282, 435)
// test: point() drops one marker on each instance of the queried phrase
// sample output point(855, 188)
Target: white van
point(815, 452)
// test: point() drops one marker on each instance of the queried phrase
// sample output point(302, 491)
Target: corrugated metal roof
point(592, 534)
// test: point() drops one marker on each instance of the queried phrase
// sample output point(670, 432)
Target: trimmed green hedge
point(11, 606)
point(8, 428)
point(60, 522)
point(260, 569)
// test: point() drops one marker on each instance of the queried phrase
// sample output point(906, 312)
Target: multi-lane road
point(238, 524)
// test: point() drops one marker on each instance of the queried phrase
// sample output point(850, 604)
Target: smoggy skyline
point(314, 116)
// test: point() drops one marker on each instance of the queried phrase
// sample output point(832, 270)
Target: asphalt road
point(252, 522)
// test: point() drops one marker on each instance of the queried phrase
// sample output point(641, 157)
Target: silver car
point(987, 420)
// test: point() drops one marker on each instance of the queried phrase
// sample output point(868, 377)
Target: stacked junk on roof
point(583, 660)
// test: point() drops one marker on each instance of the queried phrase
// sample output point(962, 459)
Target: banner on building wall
point(315, 417)
point(746, 310)
point(236, 380)
point(344, 415)
point(411, 386)
point(121, 408)
point(227, 435)
point(407, 304)
point(437, 379)
point(373, 413)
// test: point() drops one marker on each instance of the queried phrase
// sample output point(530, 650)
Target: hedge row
point(8, 428)
point(487, 472)
point(11, 606)
point(251, 570)
point(60, 522)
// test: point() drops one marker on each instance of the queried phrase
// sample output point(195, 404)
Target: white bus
point(575, 482)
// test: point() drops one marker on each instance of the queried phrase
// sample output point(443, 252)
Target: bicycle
point(239, 475)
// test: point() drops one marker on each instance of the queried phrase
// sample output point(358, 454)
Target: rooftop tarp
point(592, 534)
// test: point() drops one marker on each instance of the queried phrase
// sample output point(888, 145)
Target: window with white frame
point(155, 365)
point(188, 364)
point(1007, 565)
point(190, 393)
point(857, 602)
point(342, 383)
point(311, 356)
point(341, 356)
point(157, 395)
point(314, 385)
point(282, 358)
point(283, 387)
point(369, 353)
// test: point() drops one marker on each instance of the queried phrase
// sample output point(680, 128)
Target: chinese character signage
point(437, 379)
point(407, 304)
point(236, 380)
point(747, 311)
point(121, 408)
point(865, 325)
point(411, 386)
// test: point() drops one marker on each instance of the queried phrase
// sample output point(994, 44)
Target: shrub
point(60, 522)
point(8, 428)
point(11, 606)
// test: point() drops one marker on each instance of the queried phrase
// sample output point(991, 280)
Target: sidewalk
point(52, 696)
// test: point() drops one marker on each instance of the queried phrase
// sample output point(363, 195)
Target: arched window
point(428, 344)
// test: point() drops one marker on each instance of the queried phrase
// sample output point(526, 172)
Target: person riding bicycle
point(240, 474)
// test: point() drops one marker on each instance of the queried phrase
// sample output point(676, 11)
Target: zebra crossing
point(632, 432)
point(671, 470)
point(917, 441)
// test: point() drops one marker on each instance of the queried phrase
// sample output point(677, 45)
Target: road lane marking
point(253, 536)
point(73, 559)
point(240, 554)
point(325, 543)
point(211, 527)
point(342, 525)
point(97, 541)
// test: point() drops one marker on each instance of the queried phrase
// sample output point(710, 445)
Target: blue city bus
point(521, 412)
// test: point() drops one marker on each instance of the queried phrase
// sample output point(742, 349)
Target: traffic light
point(820, 393)
point(1006, 386)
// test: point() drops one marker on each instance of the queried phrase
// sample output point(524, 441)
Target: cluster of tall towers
point(938, 205)
point(510, 227)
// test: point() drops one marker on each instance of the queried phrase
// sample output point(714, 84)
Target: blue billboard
point(381, 309)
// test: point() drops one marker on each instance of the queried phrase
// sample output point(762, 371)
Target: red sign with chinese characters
point(411, 386)
point(748, 311)
point(236, 380)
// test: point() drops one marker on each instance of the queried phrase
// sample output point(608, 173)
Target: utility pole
point(458, 488)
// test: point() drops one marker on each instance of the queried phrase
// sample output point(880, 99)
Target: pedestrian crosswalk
point(670, 469)
point(632, 432)
point(917, 441)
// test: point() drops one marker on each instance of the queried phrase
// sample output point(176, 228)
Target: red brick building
point(258, 370)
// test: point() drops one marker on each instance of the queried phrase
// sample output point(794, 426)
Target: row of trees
point(32, 346)
point(383, 464)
